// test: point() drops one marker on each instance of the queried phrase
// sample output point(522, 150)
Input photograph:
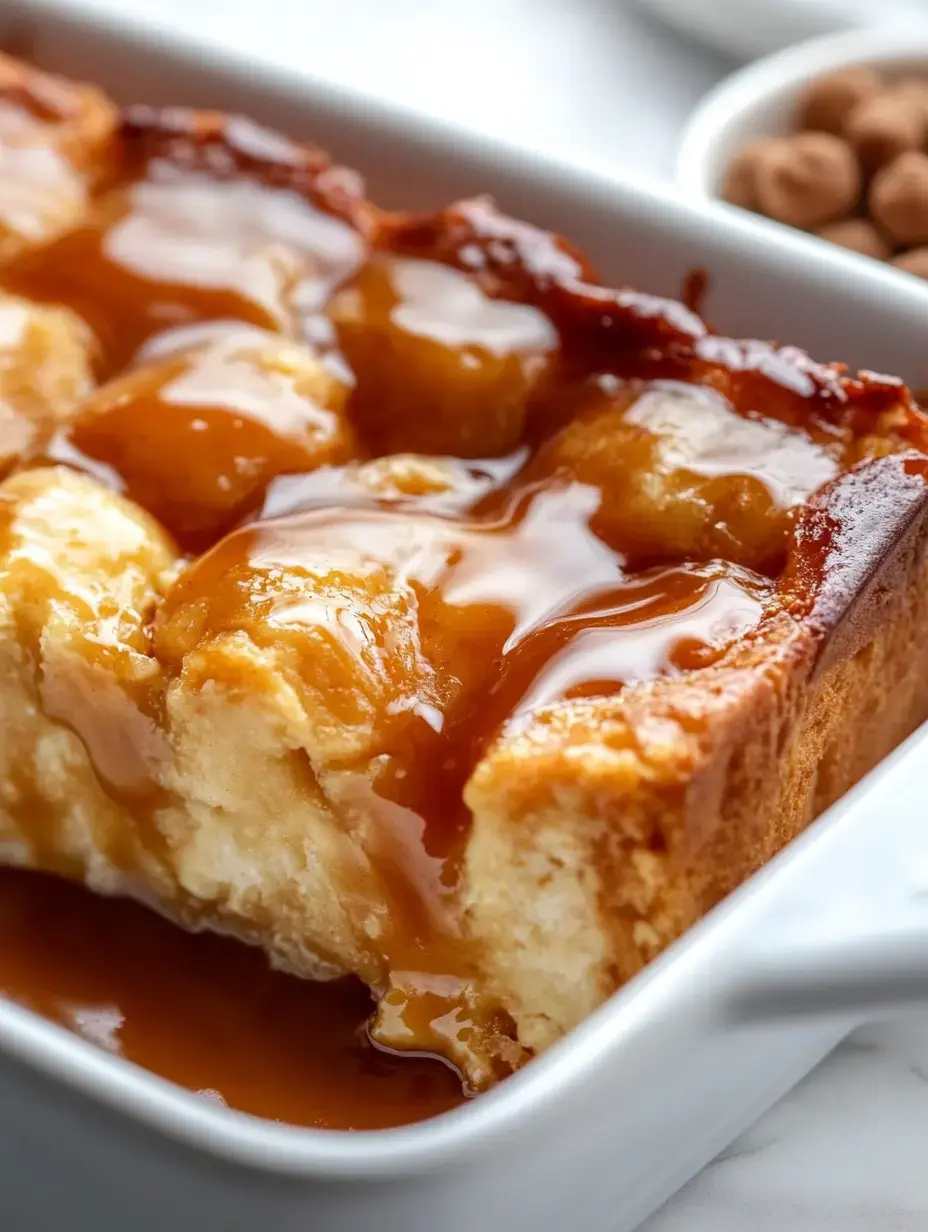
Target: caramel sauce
point(436, 484)
point(579, 526)
point(207, 1012)
point(717, 442)
point(37, 182)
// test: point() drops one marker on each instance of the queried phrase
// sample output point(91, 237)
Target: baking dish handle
point(860, 952)
point(867, 978)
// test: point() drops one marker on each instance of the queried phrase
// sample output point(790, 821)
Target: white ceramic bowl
point(760, 100)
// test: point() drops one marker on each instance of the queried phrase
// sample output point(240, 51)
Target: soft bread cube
point(336, 620)
point(55, 142)
point(255, 842)
point(684, 476)
point(80, 746)
point(440, 366)
point(195, 437)
point(45, 370)
point(301, 672)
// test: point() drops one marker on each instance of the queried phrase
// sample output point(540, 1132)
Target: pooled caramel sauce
point(566, 536)
point(206, 1012)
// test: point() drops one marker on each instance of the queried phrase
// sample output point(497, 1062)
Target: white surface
point(757, 27)
point(845, 1151)
point(759, 100)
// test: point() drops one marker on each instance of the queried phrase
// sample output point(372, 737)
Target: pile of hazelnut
point(854, 171)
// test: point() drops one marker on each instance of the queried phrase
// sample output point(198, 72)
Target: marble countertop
point(596, 81)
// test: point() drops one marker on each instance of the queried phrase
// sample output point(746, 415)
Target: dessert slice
point(603, 828)
point(411, 605)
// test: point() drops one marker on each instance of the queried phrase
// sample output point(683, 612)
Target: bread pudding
point(387, 592)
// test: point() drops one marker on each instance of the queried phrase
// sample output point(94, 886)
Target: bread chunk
point(55, 144)
point(196, 437)
point(46, 357)
point(80, 738)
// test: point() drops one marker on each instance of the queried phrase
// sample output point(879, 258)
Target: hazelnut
point(915, 261)
point(739, 186)
point(808, 179)
point(899, 198)
point(881, 128)
point(857, 234)
point(827, 102)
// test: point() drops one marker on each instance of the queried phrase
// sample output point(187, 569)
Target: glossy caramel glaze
point(176, 250)
point(218, 221)
point(441, 367)
point(497, 601)
point(413, 481)
point(196, 437)
point(508, 613)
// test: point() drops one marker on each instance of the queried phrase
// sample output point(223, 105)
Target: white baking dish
point(596, 1134)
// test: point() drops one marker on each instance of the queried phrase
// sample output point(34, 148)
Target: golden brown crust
point(668, 797)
